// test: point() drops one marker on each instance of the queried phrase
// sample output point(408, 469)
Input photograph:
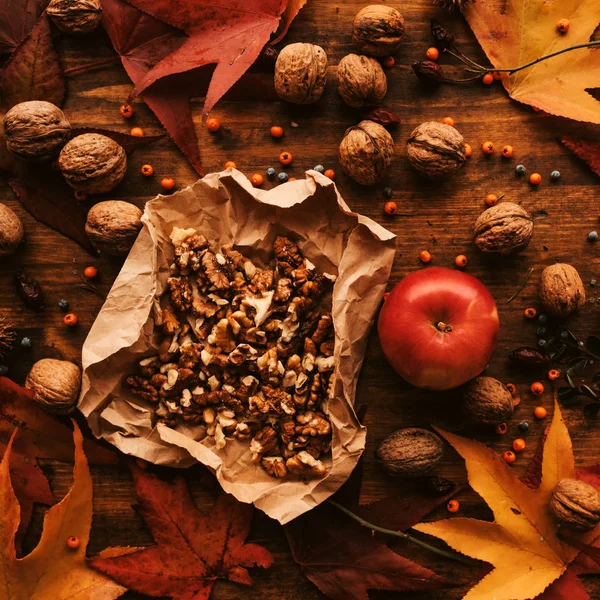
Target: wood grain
point(437, 216)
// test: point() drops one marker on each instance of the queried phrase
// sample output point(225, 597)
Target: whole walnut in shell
point(576, 504)
point(378, 30)
point(36, 130)
point(487, 401)
point(503, 229)
point(436, 149)
point(366, 152)
point(361, 80)
point(11, 231)
point(113, 226)
point(75, 16)
point(410, 452)
point(55, 385)
point(300, 73)
point(561, 290)
point(93, 163)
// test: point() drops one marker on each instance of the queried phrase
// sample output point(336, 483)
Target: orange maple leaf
point(522, 543)
point(526, 30)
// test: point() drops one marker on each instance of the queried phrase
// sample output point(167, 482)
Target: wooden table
point(437, 216)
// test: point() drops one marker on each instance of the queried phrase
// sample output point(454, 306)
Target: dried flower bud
point(29, 290)
point(529, 357)
point(442, 37)
point(428, 71)
point(383, 116)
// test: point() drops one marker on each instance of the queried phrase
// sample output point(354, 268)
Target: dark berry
point(542, 319)
point(540, 331)
point(523, 426)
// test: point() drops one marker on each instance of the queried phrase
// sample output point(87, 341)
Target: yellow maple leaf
point(522, 542)
point(52, 571)
point(526, 30)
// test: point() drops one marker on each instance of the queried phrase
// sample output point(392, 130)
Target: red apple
point(438, 328)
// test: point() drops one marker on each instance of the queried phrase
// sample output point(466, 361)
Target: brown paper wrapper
point(227, 209)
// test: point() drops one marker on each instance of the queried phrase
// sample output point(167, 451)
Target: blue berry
point(271, 172)
point(319, 169)
point(63, 305)
point(542, 319)
point(555, 176)
point(520, 170)
point(523, 426)
point(564, 335)
point(593, 236)
point(26, 342)
point(542, 343)
point(283, 177)
point(3, 370)
point(388, 192)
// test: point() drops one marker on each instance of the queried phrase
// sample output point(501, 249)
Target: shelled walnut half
point(246, 352)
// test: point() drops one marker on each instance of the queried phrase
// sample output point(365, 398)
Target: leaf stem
point(464, 59)
point(520, 288)
point(93, 65)
point(401, 534)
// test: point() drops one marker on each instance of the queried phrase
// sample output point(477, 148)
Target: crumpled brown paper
point(227, 209)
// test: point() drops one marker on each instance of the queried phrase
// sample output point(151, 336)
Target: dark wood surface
point(435, 216)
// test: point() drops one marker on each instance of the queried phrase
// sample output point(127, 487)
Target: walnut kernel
point(361, 80)
point(378, 30)
point(503, 229)
point(300, 73)
point(113, 226)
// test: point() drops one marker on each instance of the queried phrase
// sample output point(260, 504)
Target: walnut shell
point(410, 452)
point(366, 152)
point(11, 231)
point(435, 149)
point(300, 73)
point(487, 401)
point(36, 130)
point(504, 229)
point(576, 504)
point(75, 16)
point(361, 80)
point(561, 290)
point(55, 385)
point(378, 30)
point(113, 226)
point(93, 163)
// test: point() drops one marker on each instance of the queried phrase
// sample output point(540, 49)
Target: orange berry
point(537, 388)
point(425, 256)
point(530, 313)
point(81, 196)
point(487, 147)
point(512, 388)
point(518, 445)
point(390, 208)
point(453, 506)
point(167, 183)
point(491, 199)
point(540, 412)
point(448, 121)
point(468, 150)
point(147, 170)
point(257, 179)
point(276, 131)
point(330, 173)
point(488, 78)
point(509, 457)
point(497, 75)
point(126, 111)
point(501, 429)
point(73, 542)
point(553, 374)
point(460, 261)
point(70, 319)
point(230, 165)
point(90, 272)
point(535, 179)
point(432, 53)
point(563, 26)
point(388, 62)
point(507, 151)
point(292, 179)
point(285, 158)
point(213, 124)
point(137, 132)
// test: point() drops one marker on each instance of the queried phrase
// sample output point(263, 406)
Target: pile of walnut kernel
point(247, 353)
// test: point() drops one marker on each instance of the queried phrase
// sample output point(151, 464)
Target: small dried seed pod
point(361, 80)
point(11, 231)
point(113, 226)
point(366, 152)
point(36, 130)
point(378, 30)
point(410, 452)
point(487, 401)
point(75, 16)
point(576, 504)
point(503, 229)
point(93, 163)
point(436, 149)
point(561, 290)
point(300, 73)
point(55, 385)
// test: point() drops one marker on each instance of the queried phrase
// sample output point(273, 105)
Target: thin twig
point(401, 534)
point(520, 288)
point(94, 65)
point(91, 288)
point(465, 59)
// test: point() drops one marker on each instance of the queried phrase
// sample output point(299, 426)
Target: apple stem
point(441, 326)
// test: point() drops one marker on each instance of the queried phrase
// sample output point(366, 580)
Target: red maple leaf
point(192, 550)
point(587, 151)
point(17, 20)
